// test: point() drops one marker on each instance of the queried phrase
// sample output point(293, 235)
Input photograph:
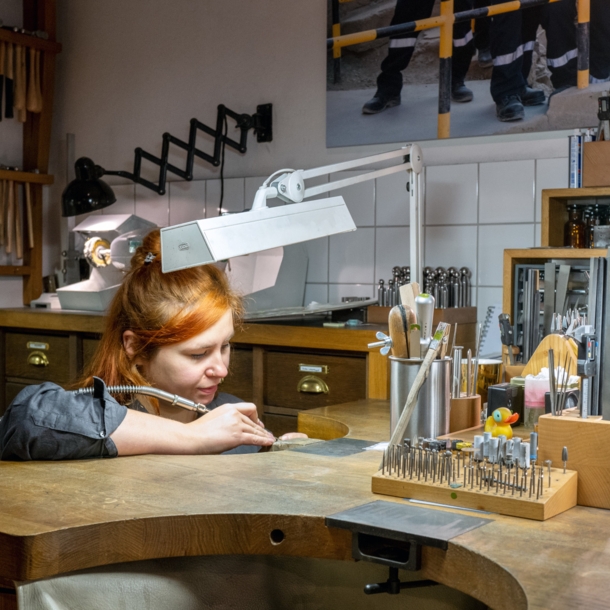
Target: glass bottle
point(588, 220)
point(574, 234)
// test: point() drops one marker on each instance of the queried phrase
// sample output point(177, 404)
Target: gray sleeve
point(46, 422)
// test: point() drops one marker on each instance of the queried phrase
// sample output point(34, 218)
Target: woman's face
point(193, 369)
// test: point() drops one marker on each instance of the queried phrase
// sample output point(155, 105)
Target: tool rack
point(37, 15)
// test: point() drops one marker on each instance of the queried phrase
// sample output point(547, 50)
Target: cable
point(222, 165)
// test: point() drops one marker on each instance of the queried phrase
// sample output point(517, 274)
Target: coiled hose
point(173, 399)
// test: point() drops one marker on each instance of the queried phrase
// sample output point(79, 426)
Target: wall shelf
point(537, 255)
point(30, 177)
point(38, 15)
point(555, 210)
point(32, 42)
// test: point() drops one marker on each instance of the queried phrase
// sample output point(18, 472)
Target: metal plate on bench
point(404, 522)
point(338, 447)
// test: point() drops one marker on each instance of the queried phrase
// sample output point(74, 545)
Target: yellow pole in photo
point(444, 86)
point(584, 28)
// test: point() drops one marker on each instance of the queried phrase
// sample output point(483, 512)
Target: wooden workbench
point(60, 517)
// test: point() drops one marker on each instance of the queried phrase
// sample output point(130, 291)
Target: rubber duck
point(499, 422)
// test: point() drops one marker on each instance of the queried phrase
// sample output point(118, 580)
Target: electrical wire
point(222, 165)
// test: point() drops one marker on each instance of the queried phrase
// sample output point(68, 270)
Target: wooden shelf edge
point(554, 252)
point(6, 174)
point(16, 270)
point(580, 193)
point(32, 42)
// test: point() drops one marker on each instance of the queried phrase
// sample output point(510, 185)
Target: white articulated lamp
point(261, 228)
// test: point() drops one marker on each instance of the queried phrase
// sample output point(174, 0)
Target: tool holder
point(588, 441)
point(479, 488)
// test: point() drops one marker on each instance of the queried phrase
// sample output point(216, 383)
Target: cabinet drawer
point(296, 380)
point(39, 357)
point(239, 380)
point(89, 347)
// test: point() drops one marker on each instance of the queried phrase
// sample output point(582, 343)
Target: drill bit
point(564, 458)
point(548, 465)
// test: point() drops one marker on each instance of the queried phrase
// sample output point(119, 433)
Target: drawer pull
point(38, 359)
point(310, 384)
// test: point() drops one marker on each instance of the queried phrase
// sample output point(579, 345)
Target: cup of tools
point(432, 411)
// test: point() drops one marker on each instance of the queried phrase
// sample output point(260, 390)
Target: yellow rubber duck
point(499, 422)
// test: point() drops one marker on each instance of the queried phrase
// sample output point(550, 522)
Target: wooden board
point(588, 443)
point(561, 345)
point(559, 498)
point(596, 163)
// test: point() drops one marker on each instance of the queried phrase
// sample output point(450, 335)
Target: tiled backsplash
point(472, 213)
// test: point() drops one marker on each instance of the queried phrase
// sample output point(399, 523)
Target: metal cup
point(431, 415)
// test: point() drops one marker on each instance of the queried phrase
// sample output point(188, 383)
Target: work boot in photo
point(510, 108)
point(460, 93)
point(532, 97)
point(380, 103)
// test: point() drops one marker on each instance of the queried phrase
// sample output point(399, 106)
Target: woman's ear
point(129, 342)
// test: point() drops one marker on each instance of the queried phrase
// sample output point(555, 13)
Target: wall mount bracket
point(261, 122)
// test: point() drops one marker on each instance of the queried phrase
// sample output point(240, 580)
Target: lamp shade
point(87, 193)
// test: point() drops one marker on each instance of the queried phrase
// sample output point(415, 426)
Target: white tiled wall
point(473, 212)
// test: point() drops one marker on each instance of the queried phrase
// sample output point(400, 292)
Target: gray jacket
point(46, 422)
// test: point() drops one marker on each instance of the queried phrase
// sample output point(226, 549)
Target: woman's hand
point(229, 426)
point(222, 429)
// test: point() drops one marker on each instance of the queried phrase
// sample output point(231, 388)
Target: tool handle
point(397, 330)
point(31, 90)
point(28, 213)
point(3, 188)
point(10, 217)
point(18, 224)
point(37, 81)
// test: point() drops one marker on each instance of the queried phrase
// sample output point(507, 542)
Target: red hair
point(160, 309)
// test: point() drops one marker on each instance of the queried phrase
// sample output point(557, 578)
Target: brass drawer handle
point(310, 384)
point(38, 359)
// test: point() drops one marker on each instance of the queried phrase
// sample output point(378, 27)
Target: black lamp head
point(87, 193)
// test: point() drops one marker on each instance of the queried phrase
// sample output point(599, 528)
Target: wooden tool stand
point(34, 97)
point(588, 443)
point(503, 499)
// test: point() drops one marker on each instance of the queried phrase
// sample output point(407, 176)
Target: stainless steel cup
point(431, 415)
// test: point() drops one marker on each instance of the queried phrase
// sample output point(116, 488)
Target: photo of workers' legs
point(512, 40)
point(481, 37)
point(599, 51)
point(400, 52)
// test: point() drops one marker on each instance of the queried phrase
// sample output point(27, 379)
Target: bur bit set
point(450, 287)
point(388, 294)
point(496, 474)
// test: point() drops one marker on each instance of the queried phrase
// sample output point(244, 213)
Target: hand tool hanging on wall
point(28, 213)
point(3, 187)
point(2, 60)
point(8, 80)
point(23, 77)
point(18, 224)
point(10, 217)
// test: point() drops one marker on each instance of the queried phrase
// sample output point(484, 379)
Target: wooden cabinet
point(283, 369)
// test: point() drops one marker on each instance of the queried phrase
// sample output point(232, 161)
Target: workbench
point(60, 517)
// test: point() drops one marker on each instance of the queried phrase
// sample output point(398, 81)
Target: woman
point(170, 331)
